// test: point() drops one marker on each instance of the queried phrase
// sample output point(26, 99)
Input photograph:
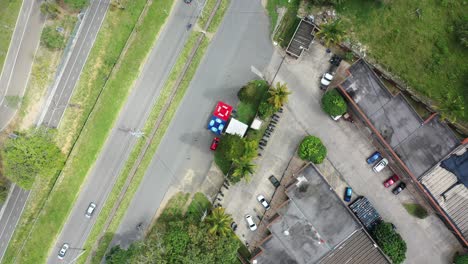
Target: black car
point(274, 181)
point(400, 187)
point(188, 1)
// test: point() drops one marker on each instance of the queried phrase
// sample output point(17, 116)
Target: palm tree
point(243, 168)
point(278, 95)
point(332, 33)
point(250, 149)
point(219, 222)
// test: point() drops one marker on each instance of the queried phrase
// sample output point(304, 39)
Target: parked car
point(348, 194)
point(399, 188)
point(187, 1)
point(274, 181)
point(380, 165)
point(90, 210)
point(374, 157)
point(326, 80)
point(250, 222)
point(214, 143)
point(335, 60)
point(63, 250)
point(263, 201)
point(390, 181)
point(233, 226)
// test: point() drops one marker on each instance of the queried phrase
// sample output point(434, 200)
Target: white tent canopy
point(236, 127)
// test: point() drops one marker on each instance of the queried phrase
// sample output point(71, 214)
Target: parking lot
point(428, 240)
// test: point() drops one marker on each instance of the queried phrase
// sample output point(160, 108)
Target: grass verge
point(416, 210)
point(198, 207)
point(424, 50)
point(288, 24)
point(155, 113)
point(110, 42)
point(9, 10)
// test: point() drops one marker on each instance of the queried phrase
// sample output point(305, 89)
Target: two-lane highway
point(242, 41)
point(119, 144)
point(62, 89)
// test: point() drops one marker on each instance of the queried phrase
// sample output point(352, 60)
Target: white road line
point(17, 53)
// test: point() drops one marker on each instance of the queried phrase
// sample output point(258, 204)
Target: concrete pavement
point(119, 144)
point(61, 91)
point(183, 156)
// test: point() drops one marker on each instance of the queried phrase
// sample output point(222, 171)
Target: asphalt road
point(20, 56)
point(120, 142)
point(62, 89)
point(13, 82)
point(183, 156)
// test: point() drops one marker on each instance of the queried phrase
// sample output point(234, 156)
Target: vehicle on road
point(274, 181)
point(380, 165)
point(390, 181)
point(214, 143)
point(399, 188)
point(263, 201)
point(326, 80)
point(63, 250)
point(90, 210)
point(348, 194)
point(188, 1)
point(374, 157)
point(250, 222)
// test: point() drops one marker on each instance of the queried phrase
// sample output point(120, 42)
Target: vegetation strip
point(118, 26)
point(9, 12)
point(183, 76)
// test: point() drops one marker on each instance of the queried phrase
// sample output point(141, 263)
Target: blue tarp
point(458, 165)
point(216, 125)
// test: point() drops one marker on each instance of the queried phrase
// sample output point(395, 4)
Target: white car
point(326, 79)
point(63, 251)
point(263, 201)
point(380, 165)
point(90, 210)
point(250, 222)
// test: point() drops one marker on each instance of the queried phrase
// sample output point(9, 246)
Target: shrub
point(253, 91)
point(461, 259)
point(312, 149)
point(461, 30)
point(52, 39)
point(333, 103)
point(230, 147)
point(265, 110)
point(416, 210)
point(390, 242)
point(50, 9)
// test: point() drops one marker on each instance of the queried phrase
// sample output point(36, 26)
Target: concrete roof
point(311, 224)
point(358, 249)
point(451, 195)
point(419, 146)
point(301, 39)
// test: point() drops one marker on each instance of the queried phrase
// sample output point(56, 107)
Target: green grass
point(246, 112)
point(416, 210)
point(9, 10)
point(271, 7)
point(110, 42)
point(199, 205)
point(288, 24)
point(218, 17)
point(156, 111)
point(422, 51)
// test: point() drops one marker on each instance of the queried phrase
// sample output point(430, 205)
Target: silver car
point(63, 251)
point(380, 165)
point(90, 210)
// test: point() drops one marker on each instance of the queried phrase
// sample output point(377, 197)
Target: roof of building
point(420, 145)
point(301, 39)
point(236, 127)
point(451, 195)
point(310, 225)
point(357, 249)
point(458, 165)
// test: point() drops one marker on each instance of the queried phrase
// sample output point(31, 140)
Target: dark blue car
point(348, 194)
point(374, 157)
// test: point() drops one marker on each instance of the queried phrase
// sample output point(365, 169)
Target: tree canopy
point(278, 95)
point(390, 242)
point(333, 103)
point(461, 259)
point(52, 38)
point(31, 154)
point(332, 32)
point(312, 149)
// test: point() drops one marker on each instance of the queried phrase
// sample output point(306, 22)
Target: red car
point(214, 143)
point(390, 181)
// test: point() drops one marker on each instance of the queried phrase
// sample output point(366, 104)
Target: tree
point(332, 32)
point(219, 222)
point(51, 38)
point(250, 149)
point(461, 259)
point(117, 255)
point(390, 242)
point(312, 149)
point(50, 9)
point(461, 30)
point(278, 95)
point(333, 103)
point(243, 168)
point(30, 154)
point(230, 147)
point(253, 91)
point(265, 110)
